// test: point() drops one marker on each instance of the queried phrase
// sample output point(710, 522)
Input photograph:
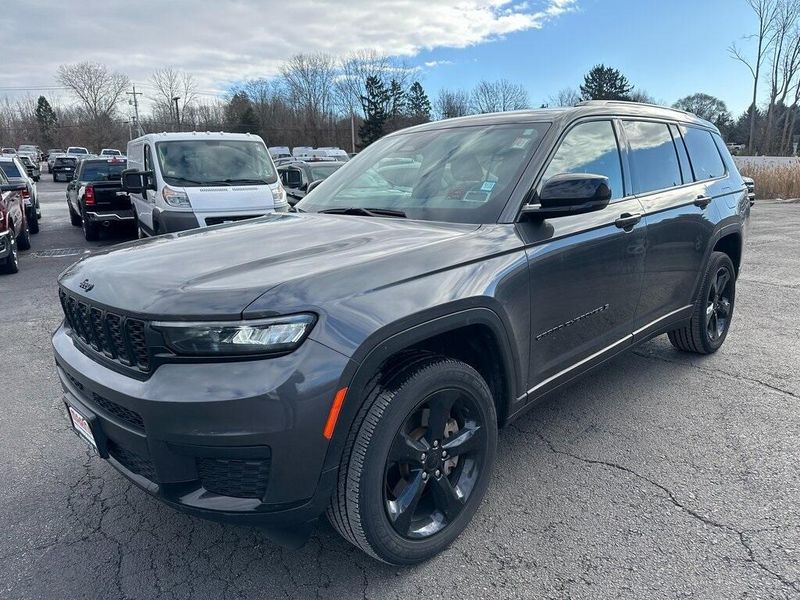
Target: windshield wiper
point(185, 180)
point(366, 212)
point(239, 181)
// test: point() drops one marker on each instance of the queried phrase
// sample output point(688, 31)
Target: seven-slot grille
point(115, 336)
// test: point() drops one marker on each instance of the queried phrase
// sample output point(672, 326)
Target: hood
point(218, 272)
point(232, 199)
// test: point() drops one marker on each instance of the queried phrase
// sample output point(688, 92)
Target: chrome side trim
point(662, 318)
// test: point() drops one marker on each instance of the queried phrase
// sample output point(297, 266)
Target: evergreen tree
point(375, 104)
point(397, 99)
point(46, 119)
point(605, 83)
point(418, 107)
point(240, 117)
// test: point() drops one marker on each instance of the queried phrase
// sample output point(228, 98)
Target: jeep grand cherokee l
point(357, 356)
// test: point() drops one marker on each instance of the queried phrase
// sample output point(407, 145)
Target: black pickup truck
point(95, 197)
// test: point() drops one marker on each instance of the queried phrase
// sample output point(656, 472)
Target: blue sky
point(670, 49)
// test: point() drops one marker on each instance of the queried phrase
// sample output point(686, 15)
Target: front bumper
point(230, 441)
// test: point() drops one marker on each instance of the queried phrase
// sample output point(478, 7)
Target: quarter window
point(654, 162)
point(703, 153)
point(589, 148)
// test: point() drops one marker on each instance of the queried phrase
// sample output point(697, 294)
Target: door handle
point(628, 220)
point(702, 200)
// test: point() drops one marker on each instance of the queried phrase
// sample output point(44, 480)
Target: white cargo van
point(180, 181)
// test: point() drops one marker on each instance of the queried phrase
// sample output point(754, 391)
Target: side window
point(706, 161)
point(148, 161)
point(654, 162)
point(680, 146)
point(589, 148)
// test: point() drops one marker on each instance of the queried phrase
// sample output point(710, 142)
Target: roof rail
point(629, 102)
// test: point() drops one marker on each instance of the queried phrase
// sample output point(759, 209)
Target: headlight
point(279, 195)
point(175, 198)
point(262, 336)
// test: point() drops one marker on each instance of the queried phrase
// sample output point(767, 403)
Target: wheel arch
point(731, 244)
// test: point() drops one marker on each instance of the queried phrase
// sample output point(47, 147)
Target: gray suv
point(356, 356)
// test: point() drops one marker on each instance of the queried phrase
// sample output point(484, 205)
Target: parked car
point(298, 176)
point(277, 152)
point(31, 167)
point(52, 155)
point(77, 151)
point(181, 181)
point(32, 151)
point(10, 151)
point(14, 234)
point(95, 198)
point(64, 168)
point(16, 174)
point(357, 357)
point(110, 152)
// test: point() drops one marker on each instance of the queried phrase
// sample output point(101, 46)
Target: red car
point(14, 234)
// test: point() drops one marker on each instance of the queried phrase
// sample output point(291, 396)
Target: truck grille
point(240, 478)
point(115, 336)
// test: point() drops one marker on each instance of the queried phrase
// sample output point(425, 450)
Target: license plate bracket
point(82, 426)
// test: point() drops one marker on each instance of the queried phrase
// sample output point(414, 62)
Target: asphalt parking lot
point(661, 475)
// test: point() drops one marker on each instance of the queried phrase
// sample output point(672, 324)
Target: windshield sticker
point(487, 186)
point(520, 142)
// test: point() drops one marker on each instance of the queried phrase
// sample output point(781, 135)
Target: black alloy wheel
point(433, 464)
point(719, 304)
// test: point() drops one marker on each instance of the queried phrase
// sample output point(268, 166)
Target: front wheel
point(713, 310)
point(417, 460)
point(10, 264)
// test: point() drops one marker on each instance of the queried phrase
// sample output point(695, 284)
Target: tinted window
point(654, 163)
point(10, 169)
point(103, 171)
point(589, 148)
point(65, 162)
point(686, 169)
point(703, 153)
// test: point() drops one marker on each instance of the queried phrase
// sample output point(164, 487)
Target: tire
point(33, 221)
point(10, 264)
point(55, 178)
point(371, 484)
point(74, 217)
point(713, 309)
point(90, 230)
point(24, 238)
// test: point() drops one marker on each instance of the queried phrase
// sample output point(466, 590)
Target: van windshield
point(456, 174)
point(191, 163)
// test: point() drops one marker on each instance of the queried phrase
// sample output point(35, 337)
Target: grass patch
point(774, 181)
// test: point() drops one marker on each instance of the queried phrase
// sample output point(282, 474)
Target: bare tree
point(565, 97)
point(498, 96)
point(784, 62)
point(766, 14)
point(98, 89)
point(451, 103)
point(310, 82)
point(169, 84)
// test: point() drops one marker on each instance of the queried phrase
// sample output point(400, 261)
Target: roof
point(613, 108)
point(196, 135)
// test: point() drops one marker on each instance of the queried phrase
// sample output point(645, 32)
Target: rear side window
point(654, 162)
point(10, 169)
point(589, 148)
point(706, 161)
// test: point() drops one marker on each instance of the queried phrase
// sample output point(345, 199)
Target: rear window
point(654, 162)
point(65, 162)
point(10, 169)
point(703, 152)
point(103, 171)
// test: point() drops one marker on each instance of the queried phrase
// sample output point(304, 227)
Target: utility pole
point(353, 131)
point(177, 112)
point(134, 93)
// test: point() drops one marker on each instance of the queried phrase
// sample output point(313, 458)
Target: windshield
point(77, 151)
point(323, 171)
point(10, 169)
point(462, 174)
point(103, 171)
point(215, 162)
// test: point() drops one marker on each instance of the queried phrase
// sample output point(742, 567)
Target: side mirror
point(313, 185)
point(570, 194)
point(136, 182)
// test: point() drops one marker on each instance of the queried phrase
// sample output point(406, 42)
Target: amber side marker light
point(333, 415)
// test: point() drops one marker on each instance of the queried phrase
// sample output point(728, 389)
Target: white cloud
point(437, 63)
point(227, 42)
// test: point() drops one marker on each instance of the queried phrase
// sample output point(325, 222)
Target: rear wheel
point(417, 461)
point(10, 264)
point(91, 231)
point(713, 311)
point(24, 238)
point(74, 217)
point(33, 220)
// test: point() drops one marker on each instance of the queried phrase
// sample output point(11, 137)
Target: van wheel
point(417, 460)
point(713, 310)
point(10, 263)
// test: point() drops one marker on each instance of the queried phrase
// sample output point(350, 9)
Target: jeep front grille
point(114, 336)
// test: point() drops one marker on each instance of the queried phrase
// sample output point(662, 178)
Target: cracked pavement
point(660, 475)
